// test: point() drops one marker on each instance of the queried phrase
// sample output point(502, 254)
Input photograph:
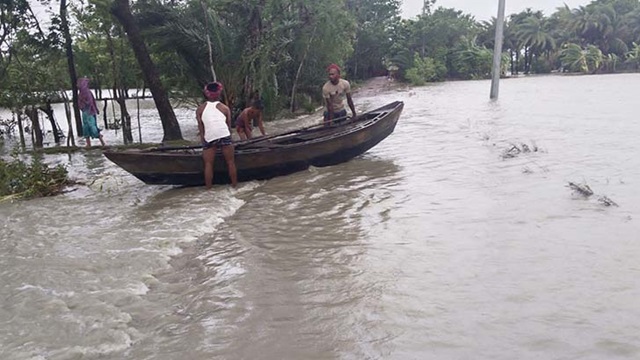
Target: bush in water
point(23, 180)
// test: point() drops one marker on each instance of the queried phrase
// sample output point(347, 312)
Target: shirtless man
point(246, 117)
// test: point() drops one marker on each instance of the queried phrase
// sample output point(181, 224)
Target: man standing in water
point(214, 128)
point(334, 92)
point(87, 104)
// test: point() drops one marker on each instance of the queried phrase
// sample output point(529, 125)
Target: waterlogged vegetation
point(20, 179)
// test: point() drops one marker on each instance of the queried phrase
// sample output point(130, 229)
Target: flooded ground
point(442, 242)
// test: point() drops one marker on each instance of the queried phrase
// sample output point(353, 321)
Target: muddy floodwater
point(455, 238)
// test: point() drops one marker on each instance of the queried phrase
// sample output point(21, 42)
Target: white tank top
point(215, 122)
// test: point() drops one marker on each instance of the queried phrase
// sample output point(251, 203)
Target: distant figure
point(87, 104)
point(391, 72)
point(334, 92)
point(246, 117)
point(214, 128)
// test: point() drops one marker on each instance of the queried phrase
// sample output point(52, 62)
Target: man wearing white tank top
point(214, 128)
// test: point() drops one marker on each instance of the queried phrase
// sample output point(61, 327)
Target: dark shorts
point(340, 114)
point(242, 125)
point(218, 142)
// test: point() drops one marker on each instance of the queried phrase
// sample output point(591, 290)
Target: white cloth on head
point(215, 122)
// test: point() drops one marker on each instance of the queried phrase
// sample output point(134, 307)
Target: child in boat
point(246, 117)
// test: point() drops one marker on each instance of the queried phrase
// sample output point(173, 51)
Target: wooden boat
point(267, 156)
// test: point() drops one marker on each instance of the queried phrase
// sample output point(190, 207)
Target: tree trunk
point(64, 26)
point(104, 115)
point(138, 113)
point(127, 137)
point(206, 26)
point(511, 56)
point(119, 94)
point(71, 141)
point(20, 128)
point(32, 113)
point(48, 110)
point(530, 61)
point(122, 11)
point(255, 38)
point(97, 81)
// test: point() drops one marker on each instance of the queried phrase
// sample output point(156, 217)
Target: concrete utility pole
point(497, 51)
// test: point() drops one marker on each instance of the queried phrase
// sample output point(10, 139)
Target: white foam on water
point(138, 288)
point(132, 250)
point(46, 291)
point(247, 187)
point(204, 213)
point(150, 280)
point(122, 341)
point(318, 194)
point(162, 228)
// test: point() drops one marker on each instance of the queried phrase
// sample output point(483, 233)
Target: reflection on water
point(433, 245)
point(93, 160)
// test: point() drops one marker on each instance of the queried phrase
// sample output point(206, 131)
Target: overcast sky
point(481, 9)
point(485, 9)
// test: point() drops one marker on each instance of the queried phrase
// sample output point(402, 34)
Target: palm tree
point(633, 23)
point(633, 56)
point(585, 24)
point(560, 24)
point(535, 36)
point(533, 32)
point(602, 25)
point(511, 44)
point(613, 30)
point(573, 58)
point(594, 58)
point(611, 62)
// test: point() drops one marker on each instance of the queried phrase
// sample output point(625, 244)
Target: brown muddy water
point(433, 245)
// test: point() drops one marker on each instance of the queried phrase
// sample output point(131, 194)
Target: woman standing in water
point(87, 104)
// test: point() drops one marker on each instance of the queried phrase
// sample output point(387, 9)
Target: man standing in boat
point(214, 128)
point(334, 92)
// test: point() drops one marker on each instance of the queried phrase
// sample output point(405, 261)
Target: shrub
point(468, 62)
point(425, 70)
point(20, 179)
